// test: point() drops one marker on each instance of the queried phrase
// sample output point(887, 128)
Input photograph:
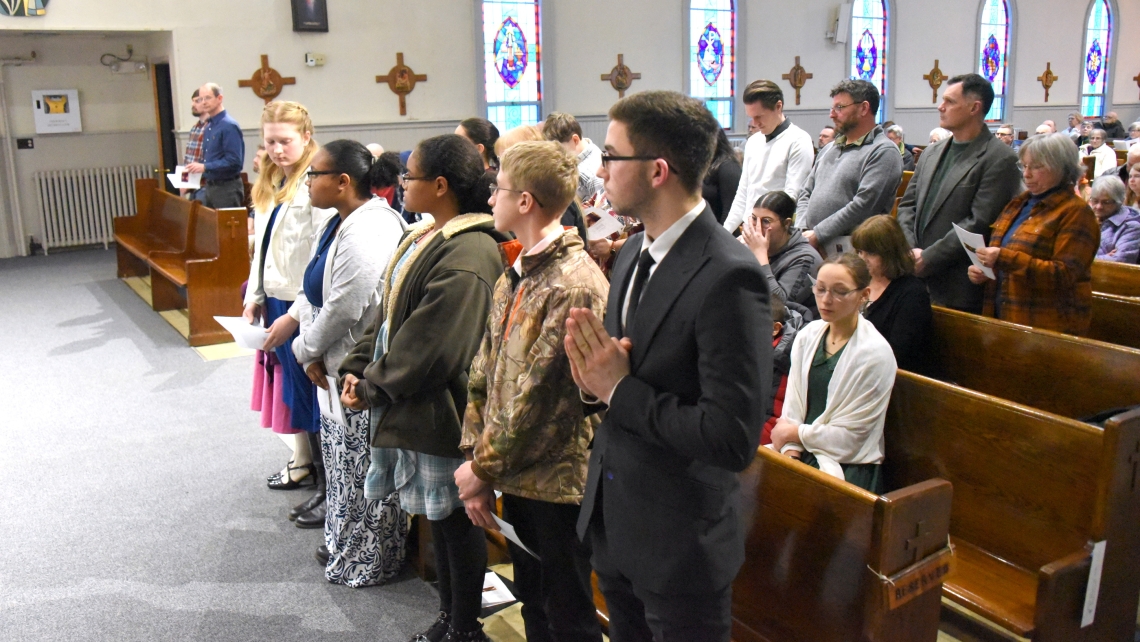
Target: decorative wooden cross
point(1137, 79)
point(621, 77)
point(402, 80)
point(934, 79)
point(922, 535)
point(233, 225)
point(797, 78)
point(1047, 79)
point(266, 82)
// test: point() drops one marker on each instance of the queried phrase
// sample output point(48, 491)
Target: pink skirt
point(267, 397)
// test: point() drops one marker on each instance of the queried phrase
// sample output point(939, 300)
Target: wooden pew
point(1071, 376)
point(816, 548)
point(206, 276)
point(1032, 492)
point(1121, 279)
point(1115, 319)
point(161, 224)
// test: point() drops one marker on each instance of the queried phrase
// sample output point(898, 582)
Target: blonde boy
point(524, 432)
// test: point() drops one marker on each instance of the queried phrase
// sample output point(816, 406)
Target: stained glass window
point(512, 74)
point(1098, 46)
point(992, 59)
point(712, 56)
point(869, 46)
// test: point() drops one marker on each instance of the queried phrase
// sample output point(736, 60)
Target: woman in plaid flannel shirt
point(1043, 244)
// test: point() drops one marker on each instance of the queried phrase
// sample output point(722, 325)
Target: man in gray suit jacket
point(966, 179)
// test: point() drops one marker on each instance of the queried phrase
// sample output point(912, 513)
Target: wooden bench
point(162, 224)
point(816, 548)
point(1071, 376)
point(1115, 319)
point(1121, 279)
point(1032, 492)
point(205, 278)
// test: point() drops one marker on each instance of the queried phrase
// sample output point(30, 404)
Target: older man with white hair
point(1105, 156)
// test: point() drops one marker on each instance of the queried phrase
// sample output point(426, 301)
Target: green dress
point(865, 476)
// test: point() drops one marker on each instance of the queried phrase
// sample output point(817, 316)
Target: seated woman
point(786, 258)
point(1043, 245)
point(342, 287)
point(840, 382)
point(1119, 223)
point(899, 305)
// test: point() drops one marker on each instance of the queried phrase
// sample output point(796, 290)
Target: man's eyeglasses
point(835, 109)
point(495, 189)
point(607, 158)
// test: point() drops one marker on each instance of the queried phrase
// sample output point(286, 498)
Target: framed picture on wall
point(310, 15)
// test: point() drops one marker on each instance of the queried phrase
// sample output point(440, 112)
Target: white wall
point(221, 41)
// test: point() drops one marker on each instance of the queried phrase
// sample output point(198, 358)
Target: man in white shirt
point(778, 157)
point(1105, 156)
point(564, 129)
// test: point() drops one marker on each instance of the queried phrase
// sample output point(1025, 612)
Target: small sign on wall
point(56, 111)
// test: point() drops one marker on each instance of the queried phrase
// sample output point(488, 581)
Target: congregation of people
point(485, 348)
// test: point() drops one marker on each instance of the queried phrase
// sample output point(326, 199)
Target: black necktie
point(643, 265)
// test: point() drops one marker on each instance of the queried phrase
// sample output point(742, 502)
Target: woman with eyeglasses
point(786, 258)
point(410, 367)
point(840, 382)
point(284, 222)
point(1042, 245)
point(341, 292)
point(898, 304)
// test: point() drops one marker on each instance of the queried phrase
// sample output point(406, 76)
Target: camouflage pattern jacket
point(524, 426)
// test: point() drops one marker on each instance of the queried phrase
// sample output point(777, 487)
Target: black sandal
point(288, 483)
point(436, 631)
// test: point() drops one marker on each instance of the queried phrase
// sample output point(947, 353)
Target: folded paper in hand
point(971, 242)
point(329, 401)
point(246, 335)
point(606, 224)
point(182, 179)
point(509, 532)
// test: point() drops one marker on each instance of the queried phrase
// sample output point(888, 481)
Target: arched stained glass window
point(712, 56)
point(992, 62)
point(869, 46)
point(1098, 48)
point(511, 64)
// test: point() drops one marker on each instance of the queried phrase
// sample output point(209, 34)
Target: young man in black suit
point(684, 364)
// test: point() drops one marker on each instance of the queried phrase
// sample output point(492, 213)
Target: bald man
point(1122, 171)
point(1113, 127)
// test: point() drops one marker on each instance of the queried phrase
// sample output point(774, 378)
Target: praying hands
point(598, 361)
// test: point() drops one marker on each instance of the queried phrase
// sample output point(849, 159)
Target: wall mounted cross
point(621, 77)
point(797, 78)
point(934, 79)
point(402, 80)
point(266, 82)
point(1047, 79)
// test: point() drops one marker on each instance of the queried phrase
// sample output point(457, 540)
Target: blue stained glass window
point(511, 57)
point(712, 56)
point(869, 46)
point(1097, 53)
point(992, 61)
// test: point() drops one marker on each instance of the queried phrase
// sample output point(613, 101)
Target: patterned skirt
point(366, 538)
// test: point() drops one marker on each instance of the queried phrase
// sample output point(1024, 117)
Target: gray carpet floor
point(133, 503)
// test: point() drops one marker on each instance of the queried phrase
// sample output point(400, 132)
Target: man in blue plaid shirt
point(194, 152)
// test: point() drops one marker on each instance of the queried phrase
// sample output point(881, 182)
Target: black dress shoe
point(323, 554)
point(436, 631)
point(309, 504)
point(312, 519)
point(288, 483)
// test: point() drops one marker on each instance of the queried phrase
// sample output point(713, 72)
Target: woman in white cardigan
point(840, 382)
point(284, 224)
point(342, 290)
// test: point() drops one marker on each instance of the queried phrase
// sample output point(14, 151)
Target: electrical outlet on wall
point(314, 60)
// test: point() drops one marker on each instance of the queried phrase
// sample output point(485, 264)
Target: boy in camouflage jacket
point(524, 431)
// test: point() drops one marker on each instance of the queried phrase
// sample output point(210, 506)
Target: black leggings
point(461, 562)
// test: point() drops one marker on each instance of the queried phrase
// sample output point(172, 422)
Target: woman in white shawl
point(840, 382)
